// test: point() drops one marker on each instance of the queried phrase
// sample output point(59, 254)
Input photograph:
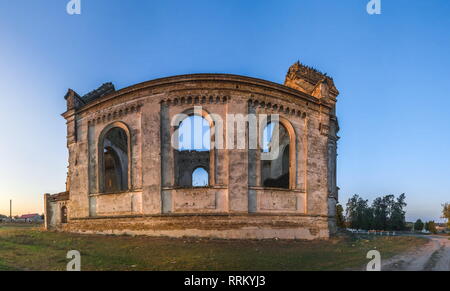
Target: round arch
point(292, 146)
point(201, 112)
point(100, 154)
point(199, 171)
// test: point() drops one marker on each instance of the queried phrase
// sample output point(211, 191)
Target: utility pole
point(10, 209)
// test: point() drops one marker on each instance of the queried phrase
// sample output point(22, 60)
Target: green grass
point(28, 248)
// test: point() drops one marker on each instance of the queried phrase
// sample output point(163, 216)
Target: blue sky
point(391, 69)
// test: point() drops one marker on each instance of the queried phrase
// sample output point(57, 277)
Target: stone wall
point(235, 204)
point(53, 205)
point(214, 226)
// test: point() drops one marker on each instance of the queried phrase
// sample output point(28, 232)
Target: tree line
point(385, 213)
point(431, 226)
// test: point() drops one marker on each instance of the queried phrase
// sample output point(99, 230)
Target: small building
point(442, 228)
point(30, 218)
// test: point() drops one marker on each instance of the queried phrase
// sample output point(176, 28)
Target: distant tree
point(367, 216)
point(397, 220)
point(418, 225)
point(431, 226)
point(340, 219)
point(409, 226)
point(351, 212)
point(446, 213)
point(359, 215)
point(386, 213)
point(381, 210)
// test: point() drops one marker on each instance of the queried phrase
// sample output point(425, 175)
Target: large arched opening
point(114, 159)
point(279, 170)
point(194, 154)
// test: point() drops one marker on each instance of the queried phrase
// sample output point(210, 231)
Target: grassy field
point(28, 248)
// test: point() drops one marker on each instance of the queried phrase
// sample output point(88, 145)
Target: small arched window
point(114, 168)
point(64, 214)
point(276, 172)
point(200, 178)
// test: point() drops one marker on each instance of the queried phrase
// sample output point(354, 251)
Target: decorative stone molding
point(312, 82)
point(63, 196)
point(110, 114)
point(277, 107)
point(211, 99)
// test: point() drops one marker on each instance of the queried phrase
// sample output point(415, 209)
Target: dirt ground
point(433, 256)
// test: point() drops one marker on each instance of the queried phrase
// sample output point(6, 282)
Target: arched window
point(200, 178)
point(276, 172)
point(114, 167)
point(194, 134)
point(193, 156)
point(64, 214)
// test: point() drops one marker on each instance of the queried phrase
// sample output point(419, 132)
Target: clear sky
point(392, 71)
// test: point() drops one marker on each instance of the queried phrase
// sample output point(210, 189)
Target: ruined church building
point(125, 177)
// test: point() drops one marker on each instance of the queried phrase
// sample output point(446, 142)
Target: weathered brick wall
point(215, 226)
point(147, 110)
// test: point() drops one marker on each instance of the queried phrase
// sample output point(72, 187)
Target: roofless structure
point(133, 170)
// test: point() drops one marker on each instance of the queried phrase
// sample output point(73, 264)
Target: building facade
point(128, 174)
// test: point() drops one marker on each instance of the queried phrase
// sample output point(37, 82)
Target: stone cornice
point(109, 114)
point(278, 107)
point(194, 99)
point(217, 78)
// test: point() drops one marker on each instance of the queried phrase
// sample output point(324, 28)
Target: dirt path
point(434, 256)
